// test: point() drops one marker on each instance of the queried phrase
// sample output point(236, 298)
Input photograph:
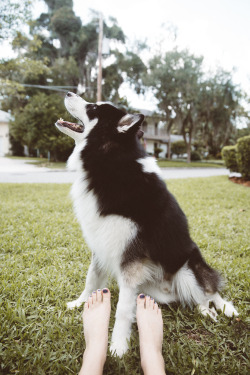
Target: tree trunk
point(169, 137)
point(169, 144)
point(189, 149)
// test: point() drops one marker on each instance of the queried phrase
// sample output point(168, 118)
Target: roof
point(4, 116)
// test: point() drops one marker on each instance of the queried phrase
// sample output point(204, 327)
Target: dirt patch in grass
point(240, 180)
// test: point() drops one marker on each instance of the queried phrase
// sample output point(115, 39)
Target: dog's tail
point(193, 281)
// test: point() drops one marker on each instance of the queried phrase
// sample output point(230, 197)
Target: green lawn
point(44, 262)
point(194, 164)
point(163, 163)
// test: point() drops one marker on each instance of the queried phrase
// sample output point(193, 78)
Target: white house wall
point(4, 139)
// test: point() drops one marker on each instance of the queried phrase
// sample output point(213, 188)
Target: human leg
point(150, 326)
point(96, 317)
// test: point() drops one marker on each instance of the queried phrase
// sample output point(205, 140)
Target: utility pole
point(99, 77)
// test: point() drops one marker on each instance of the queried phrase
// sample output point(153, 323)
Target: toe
point(156, 306)
point(90, 301)
point(94, 296)
point(106, 295)
point(99, 295)
point(151, 303)
point(148, 302)
point(141, 301)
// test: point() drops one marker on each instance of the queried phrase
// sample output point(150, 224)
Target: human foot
point(96, 316)
point(150, 326)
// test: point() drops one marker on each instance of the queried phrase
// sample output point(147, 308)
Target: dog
point(133, 225)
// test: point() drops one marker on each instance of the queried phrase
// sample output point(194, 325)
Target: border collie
point(133, 225)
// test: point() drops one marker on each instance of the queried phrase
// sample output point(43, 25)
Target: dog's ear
point(130, 123)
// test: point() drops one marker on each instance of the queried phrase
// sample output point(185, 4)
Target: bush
point(178, 147)
point(195, 156)
point(229, 156)
point(243, 156)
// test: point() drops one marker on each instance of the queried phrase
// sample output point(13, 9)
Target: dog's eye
point(92, 107)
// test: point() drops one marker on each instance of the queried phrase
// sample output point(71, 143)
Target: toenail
point(151, 298)
point(94, 292)
point(105, 290)
point(98, 290)
point(142, 296)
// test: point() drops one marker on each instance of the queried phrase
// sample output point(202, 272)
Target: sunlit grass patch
point(44, 261)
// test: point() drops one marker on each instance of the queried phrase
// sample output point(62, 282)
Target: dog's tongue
point(71, 125)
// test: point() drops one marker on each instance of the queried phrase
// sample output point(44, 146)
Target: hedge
point(243, 156)
point(229, 156)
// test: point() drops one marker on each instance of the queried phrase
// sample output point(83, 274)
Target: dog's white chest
point(107, 236)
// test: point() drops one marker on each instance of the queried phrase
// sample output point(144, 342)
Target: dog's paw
point(206, 311)
point(119, 348)
point(229, 310)
point(73, 304)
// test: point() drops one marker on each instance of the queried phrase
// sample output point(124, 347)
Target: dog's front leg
point(96, 279)
point(125, 313)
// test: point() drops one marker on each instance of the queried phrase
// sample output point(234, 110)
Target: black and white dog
point(133, 225)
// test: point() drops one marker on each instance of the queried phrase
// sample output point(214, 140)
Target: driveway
point(19, 171)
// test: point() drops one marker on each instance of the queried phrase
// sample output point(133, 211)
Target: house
point(5, 146)
point(155, 134)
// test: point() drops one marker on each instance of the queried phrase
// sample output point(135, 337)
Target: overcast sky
point(219, 30)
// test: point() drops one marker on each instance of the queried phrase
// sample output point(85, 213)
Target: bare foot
point(150, 326)
point(96, 316)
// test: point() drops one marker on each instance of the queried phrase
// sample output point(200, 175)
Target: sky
point(219, 30)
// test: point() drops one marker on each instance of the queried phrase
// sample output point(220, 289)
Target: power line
point(54, 88)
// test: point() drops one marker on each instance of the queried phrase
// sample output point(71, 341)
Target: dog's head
point(109, 121)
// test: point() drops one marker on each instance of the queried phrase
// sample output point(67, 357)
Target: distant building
point(155, 134)
point(5, 146)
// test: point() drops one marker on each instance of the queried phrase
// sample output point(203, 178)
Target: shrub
point(178, 147)
point(195, 156)
point(243, 156)
point(229, 156)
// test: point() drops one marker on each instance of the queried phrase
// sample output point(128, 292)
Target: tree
point(12, 15)
point(175, 80)
point(34, 126)
point(39, 62)
point(220, 107)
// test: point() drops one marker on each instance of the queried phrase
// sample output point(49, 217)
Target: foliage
point(220, 108)
point(243, 156)
point(62, 51)
point(237, 157)
point(175, 79)
point(38, 117)
point(195, 155)
point(39, 62)
point(229, 156)
point(13, 14)
point(205, 110)
point(44, 261)
point(178, 147)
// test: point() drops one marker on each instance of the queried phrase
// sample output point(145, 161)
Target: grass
point(163, 163)
point(48, 164)
point(40, 162)
point(44, 262)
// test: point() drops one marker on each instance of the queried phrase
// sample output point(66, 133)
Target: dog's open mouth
point(70, 125)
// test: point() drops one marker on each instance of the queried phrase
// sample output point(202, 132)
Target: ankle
point(152, 362)
point(95, 349)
